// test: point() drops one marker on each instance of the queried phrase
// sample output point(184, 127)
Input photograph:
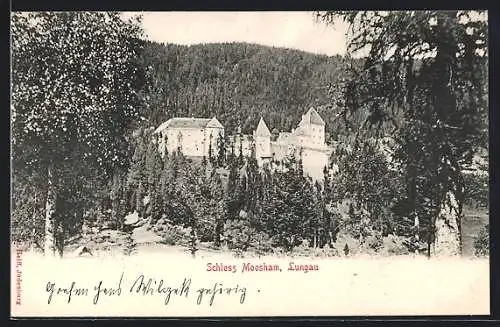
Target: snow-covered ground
point(341, 286)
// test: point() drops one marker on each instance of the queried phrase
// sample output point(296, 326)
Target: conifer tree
point(221, 151)
point(232, 155)
point(154, 168)
point(118, 198)
point(292, 215)
point(211, 159)
point(240, 153)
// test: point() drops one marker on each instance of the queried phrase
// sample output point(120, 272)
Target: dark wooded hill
point(239, 82)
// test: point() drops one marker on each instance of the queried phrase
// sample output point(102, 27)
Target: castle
point(197, 136)
point(194, 137)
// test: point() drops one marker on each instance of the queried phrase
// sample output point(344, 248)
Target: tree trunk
point(50, 211)
point(447, 231)
point(219, 227)
point(417, 231)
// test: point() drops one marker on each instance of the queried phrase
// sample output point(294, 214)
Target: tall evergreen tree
point(118, 199)
point(221, 150)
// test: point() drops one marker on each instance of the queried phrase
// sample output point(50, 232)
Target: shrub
point(373, 241)
point(206, 232)
point(330, 251)
point(394, 245)
point(304, 250)
point(345, 240)
point(239, 235)
point(482, 242)
point(262, 243)
point(173, 234)
point(170, 238)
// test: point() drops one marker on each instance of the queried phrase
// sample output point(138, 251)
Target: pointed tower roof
point(262, 129)
point(312, 117)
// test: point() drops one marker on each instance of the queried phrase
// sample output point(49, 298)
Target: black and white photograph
point(260, 163)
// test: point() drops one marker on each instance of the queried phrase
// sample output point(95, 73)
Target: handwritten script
point(142, 285)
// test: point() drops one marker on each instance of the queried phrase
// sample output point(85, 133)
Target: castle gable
point(312, 118)
point(214, 123)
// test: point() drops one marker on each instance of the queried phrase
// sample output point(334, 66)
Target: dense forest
point(84, 157)
point(239, 82)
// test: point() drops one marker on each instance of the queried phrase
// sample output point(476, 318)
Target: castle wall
point(263, 146)
point(308, 139)
point(190, 140)
point(244, 141)
point(281, 150)
point(314, 161)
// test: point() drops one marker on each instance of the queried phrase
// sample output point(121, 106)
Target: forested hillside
point(238, 82)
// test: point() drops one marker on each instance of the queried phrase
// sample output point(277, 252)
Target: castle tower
point(310, 138)
point(311, 130)
point(262, 139)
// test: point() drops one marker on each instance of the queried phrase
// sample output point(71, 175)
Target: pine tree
point(154, 168)
point(289, 211)
point(232, 155)
point(217, 207)
point(204, 162)
point(119, 206)
point(211, 159)
point(167, 182)
point(193, 242)
point(234, 193)
point(221, 151)
point(240, 154)
point(139, 199)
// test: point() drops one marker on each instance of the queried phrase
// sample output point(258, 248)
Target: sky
point(296, 30)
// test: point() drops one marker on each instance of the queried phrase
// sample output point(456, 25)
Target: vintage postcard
point(208, 164)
